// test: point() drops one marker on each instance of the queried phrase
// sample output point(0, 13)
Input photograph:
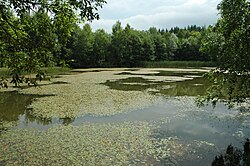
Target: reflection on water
point(13, 108)
point(12, 105)
point(192, 87)
point(201, 132)
point(14, 112)
point(234, 156)
point(165, 73)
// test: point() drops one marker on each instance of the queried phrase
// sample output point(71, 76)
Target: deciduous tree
point(231, 78)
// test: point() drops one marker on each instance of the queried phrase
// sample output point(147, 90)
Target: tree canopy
point(128, 47)
point(231, 40)
point(34, 33)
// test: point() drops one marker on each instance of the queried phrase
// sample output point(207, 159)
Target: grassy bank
point(178, 64)
point(4, 72)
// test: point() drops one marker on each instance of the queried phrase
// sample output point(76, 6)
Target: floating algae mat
point(85, 95)
point(90, 144)
point(117, 117)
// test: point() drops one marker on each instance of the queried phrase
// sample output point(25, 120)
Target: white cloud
point(142, 14)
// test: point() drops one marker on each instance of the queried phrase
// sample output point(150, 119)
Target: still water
point(205, 131)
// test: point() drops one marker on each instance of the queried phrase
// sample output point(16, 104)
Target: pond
point(117, 117)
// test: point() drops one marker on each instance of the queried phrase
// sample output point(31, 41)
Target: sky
point(162, 14)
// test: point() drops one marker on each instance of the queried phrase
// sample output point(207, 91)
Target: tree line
point(128, 47)
point(35, 39)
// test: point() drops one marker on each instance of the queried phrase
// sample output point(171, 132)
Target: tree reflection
point(29, 117)
point(14, 105)
point(234, 156)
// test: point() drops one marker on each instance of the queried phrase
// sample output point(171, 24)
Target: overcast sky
point(143, 14)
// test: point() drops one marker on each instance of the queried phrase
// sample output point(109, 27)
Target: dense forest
point(128, 47)
point(81, 47)
point(37, 38)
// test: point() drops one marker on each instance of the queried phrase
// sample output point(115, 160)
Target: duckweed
point(89, 144)
point(93, 144)
point(122, 143)
point(84, 94)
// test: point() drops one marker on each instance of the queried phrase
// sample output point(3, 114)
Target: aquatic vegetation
point(84, 94)
point(93, 144)
point(90, 144)
point(182, 86)
point(89, 92)
point(4, 125)
point(94, 107)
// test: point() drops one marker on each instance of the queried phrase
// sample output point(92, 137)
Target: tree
point(160, 44)
point(117, 45)
point(148, 47)
point(234, 27)
point(19, 32)
point(64, 20)
point(231, 78)
point(102, 41)
point(211, 44)
point(134, 47)
point(83, 47)
point(172, 44)
point(30, 48)
point(41, 40)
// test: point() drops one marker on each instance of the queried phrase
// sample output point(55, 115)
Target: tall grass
point(178, 64)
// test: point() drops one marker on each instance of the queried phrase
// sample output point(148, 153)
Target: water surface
point(203, 132)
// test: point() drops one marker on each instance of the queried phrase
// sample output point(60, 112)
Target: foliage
point(82, 46)
point(63, 42)
point(101, 45)
point(210, 44)
point(45, 73)
point(3, 83)
point(234, 156)
point(87, 8)
point(127, 47)
point(231, 42)
point(34, 33)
